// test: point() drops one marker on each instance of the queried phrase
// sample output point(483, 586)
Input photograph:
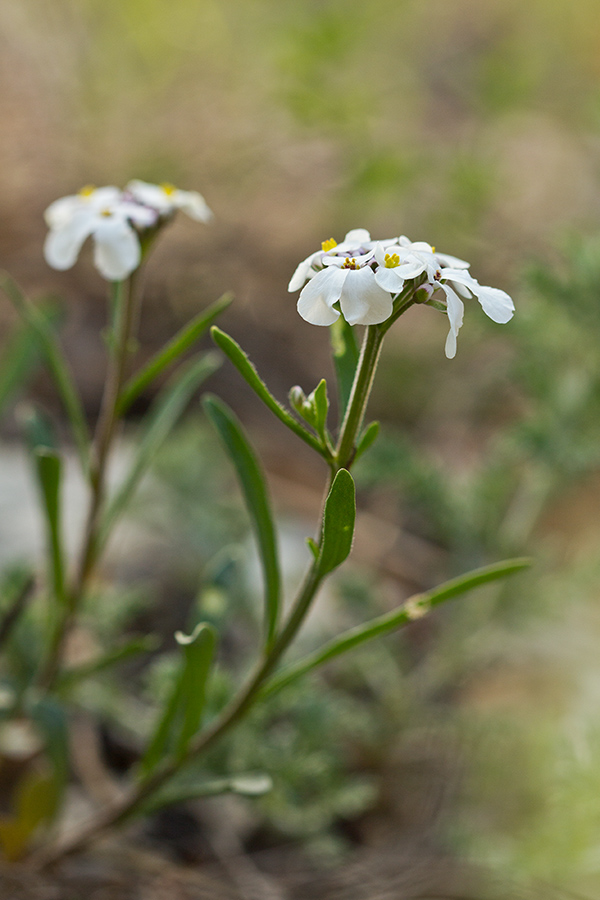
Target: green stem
point(122, 311)
point(134, 800)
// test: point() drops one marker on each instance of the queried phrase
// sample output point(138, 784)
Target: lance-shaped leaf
point(55, 361)
point(367, 439)
point(185, 338)
point(414, 608)
point(254, 488)
point(345, 359)
point(48, 469)
point(240, 360)
point(166, 410)
point(338, 523)
point(250, 784)
point(74, 675)
point(182, 715)
point(21, 354)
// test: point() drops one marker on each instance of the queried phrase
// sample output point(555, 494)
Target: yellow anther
point(392, 261)
point(433, 249)
point(168, 188)
point(87, 191)
point(329, 245)
point(106, 212)
point(350, 263)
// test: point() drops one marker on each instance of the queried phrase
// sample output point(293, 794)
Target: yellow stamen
point(433, 249)
point(350, 264)
point(168, 188)
point(392, 261)
point(87, 191)
point(106, 212)
point(329, 245)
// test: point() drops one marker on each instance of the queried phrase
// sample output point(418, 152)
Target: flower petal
point(363, 302)
point(318, 296)
point(496, 304)
point(456, 309)
point(193, 205)
point(356, 238)
point(150, 195)
point(303, 271)
point(389, 279)
point(116, 248)
point(63, 242)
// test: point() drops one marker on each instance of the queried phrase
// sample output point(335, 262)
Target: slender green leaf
point(166, 410)
point(254, 488)
point(55, 361)
point(20, 356)
point(48, 469)
point(413, 609)
point(252, 784)
point(345, 359)
point(367, 439)
point(73, 676)
point(320, 401)
point(338, 523)
point(182, 341)
point(182, 715)
point(240, 360)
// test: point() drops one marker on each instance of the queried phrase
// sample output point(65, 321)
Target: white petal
point(456, 309)
point(150, 195)
point(363, 302)
point(101, 197)
point(496, 304)
point(452, 261)
point(318, 296)
point(193, 205)
point(116, 248)
point(357, 237)
point(139, 215)
point(303, 271)
point(59, 212)
point(64, 241)
point(389, 279)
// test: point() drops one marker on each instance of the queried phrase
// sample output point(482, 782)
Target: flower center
point(391, 261)
point(328, 245)
point(350, 264)
point(106, 213)
point(87, 191)
point(168, 188)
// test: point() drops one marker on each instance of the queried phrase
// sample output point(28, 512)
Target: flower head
point(109, 218)
point(166, 199)
point(342, 273)
point(365, 276)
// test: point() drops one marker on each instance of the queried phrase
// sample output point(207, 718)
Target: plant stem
point(135, 798)
point(122, 310)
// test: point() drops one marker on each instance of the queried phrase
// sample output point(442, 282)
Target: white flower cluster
point(364, 276)
point(115, 219)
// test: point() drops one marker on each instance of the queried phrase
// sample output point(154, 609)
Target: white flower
point(406, 260)
point(345, 273)
point(109, 219)
point(166, 199)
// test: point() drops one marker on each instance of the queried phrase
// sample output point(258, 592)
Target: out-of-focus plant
point(356, 282)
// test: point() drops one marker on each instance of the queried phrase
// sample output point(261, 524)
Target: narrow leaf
point(55, 361)
point(166, 410)
point(182, 714)
point(73, 676)
point(338, 523)
point(240, 360)
point(182, 341)
point(413, 609)
point(345, 359)
point(254, 488)
point(367, 439)
point(48, 468)
point(253, 784)
point(20, 355)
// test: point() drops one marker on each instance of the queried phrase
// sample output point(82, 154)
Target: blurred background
point(476, 127)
